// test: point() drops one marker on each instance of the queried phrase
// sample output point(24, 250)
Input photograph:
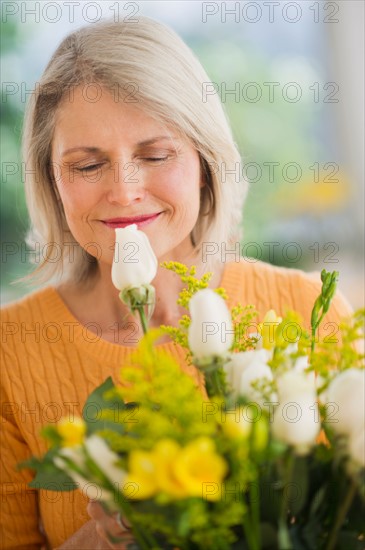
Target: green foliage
point(148, 379)
point(268, 497)
point(103, 408)
point(328, 358)
point(48, 476)
point(323, 302)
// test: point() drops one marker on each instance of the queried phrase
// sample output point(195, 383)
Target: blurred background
point(291, 78)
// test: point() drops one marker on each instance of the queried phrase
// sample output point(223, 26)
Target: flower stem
point(214, 384)
point(284, 542)
point(249, 535)
point(341, 514)
point(143, 319)
point(255, 507)
point(143, 538)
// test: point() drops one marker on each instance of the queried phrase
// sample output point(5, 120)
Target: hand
point(112, 532)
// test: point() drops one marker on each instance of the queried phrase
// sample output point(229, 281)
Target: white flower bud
point(292, 383)
point(256, 372)
point(241, 361)
point(134, 263)
point(356, 446)
point(76, 455)
point(296, 419)
point(347, 391)
point(106, 459)
point(210, 330)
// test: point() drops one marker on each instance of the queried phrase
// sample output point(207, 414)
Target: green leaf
point(54, 480)
point(48, 476)
point(98, 403)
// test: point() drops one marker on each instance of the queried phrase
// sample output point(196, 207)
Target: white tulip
point(356, 446)
point(296, 419)
point(240, 362)
point(347, 391)
point(106, 459)
point(75, 454)
point(301, 365)
point(296, 422)
point(247, 368)
point(293, 382)
point(134, 263)
point(256, 372)
point(210, 331)
point(100, 453)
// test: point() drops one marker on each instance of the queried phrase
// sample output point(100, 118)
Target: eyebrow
point(96, 149)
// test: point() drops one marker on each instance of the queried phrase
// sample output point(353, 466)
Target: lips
point(140, 221)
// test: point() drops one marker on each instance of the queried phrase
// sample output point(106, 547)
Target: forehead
point(104, 119)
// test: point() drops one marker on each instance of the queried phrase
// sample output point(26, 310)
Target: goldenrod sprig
point(242, 318)
point(187, 276)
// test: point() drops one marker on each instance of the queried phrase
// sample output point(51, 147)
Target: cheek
point(77, 197)
point(181, 186)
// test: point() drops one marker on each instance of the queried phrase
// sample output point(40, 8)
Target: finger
point(122, 521)
point(95, 510)
point(117, 542)
point(120, 541)
point(113, 525)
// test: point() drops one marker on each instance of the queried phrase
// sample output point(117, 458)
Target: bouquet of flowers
point(271, 457)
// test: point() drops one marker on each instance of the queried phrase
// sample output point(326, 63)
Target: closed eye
point(155, 159)
point(89, 168)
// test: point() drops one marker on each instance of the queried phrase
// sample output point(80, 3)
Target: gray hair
point(169, 81)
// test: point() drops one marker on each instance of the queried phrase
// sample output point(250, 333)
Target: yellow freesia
point(198, 464)
point(175, 471)
point(72, 432)
point(166, 452)
point(142, 469)
point(268, 327)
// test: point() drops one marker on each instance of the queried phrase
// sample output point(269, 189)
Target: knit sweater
point(50, 363)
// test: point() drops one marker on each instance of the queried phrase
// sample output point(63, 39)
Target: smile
point(140, 221)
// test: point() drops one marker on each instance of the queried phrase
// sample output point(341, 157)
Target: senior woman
point(115, 133)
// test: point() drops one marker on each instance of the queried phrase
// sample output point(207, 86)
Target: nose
point(125, 184)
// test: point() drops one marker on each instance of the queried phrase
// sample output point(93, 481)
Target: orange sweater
point(50, 363)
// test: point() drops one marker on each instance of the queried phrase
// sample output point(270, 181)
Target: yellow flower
point(197, 465)
point(176, 472)
point(72, 432)
point(166, 453)
point(267, 329)
point(142, 474)
point(236, 424)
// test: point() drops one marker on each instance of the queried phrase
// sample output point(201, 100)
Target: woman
point(116, 133)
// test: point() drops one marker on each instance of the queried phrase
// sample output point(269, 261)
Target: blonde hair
point(169, 81)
